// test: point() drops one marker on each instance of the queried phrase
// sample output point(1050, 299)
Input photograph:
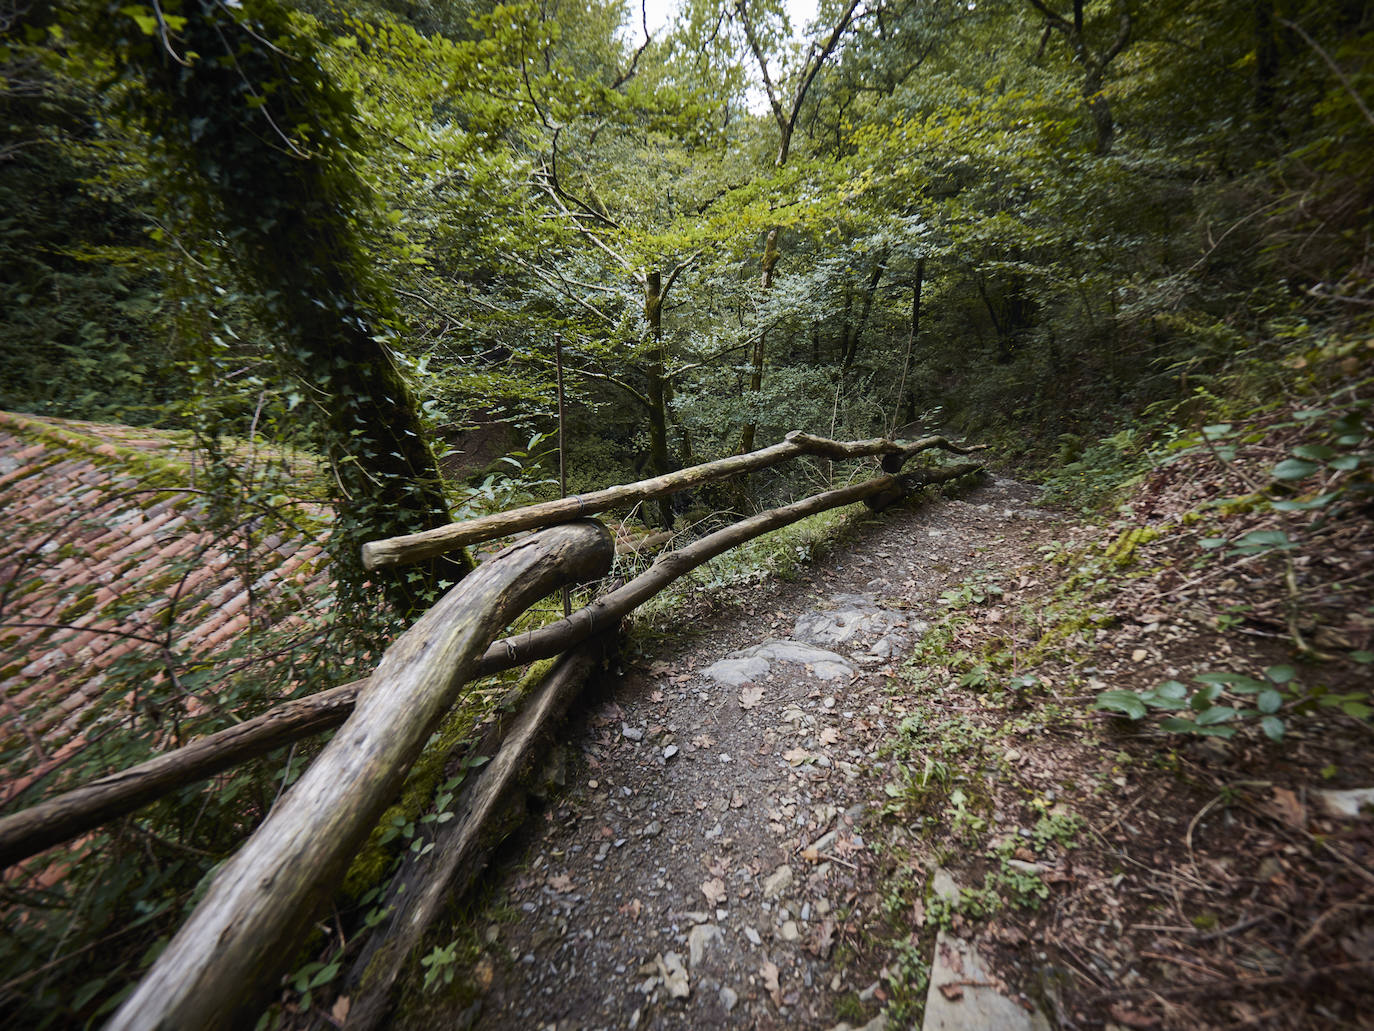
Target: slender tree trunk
point(770, 261)
point(915, 333)
point(657, 389)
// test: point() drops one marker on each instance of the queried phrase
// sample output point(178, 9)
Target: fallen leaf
point(823, 940)
point(770, 981)
point(703, 741)
point(1290, 810)
point(797, 756)
point(830, 736)
point(750, 697)
point(632, 909)
point(737, 801)
point(561, 883)
point(656, 696)
point(952, 992)
point(339, 1011)
point(714, 890)
point(484, 973)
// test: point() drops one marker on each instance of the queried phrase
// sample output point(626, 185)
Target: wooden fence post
point(226, 959)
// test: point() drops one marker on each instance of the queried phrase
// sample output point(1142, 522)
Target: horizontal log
point(416, 547)
point(65, 816)
point(227, 957)
point(916, 479)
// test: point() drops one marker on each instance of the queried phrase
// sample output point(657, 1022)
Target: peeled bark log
point(227, 956)
point(423, 886)
point(416, 547)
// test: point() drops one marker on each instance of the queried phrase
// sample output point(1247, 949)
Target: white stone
point(701, 938)
point(778, 882)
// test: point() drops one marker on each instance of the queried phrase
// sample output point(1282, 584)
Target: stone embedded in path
point(962, 997)
point(751, 663)
point(702, 937)
point(778, 882)
point(733, 672)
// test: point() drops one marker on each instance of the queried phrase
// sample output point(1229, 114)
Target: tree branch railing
point(227, 956)
point(417, 547)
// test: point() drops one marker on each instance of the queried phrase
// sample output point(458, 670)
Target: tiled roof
point(108, 550)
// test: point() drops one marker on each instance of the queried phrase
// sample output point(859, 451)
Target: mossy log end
point(427, 544)
point(225, 960)
point(483, 816)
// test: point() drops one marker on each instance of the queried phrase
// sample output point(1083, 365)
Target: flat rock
point(825, 665)
point(1347, 804)
point(736, 670)
point(674, 975)
point(778, 882)
point(960, 1000)
point(701, 938)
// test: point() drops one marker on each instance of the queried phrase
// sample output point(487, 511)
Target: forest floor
point(879, 793)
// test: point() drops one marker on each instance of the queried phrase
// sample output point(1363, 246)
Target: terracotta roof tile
point(94, 546)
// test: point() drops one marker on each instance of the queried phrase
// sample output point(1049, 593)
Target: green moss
point(374, 859)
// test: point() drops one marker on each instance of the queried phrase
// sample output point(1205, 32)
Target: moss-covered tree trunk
point(246, 103)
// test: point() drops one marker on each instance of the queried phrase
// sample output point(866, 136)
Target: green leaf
point(1273, 727)
point(1216, 731)
point(1346, 462)
point(1320, 501)
point(326, 975)
point(1316, 452)
point(1280, 674)
point(1262, 540)
point(1216, 714)
point(1168, 695)
point(1205, 697)
point(1269, 701)
point(1362, 657)
point(1127, 703)
point(1294, 469)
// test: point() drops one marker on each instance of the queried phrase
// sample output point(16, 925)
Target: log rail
point(226, 958)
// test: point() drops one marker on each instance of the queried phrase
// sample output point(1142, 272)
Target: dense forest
point(345, 253)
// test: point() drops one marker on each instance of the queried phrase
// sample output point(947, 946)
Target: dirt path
point(704, 862)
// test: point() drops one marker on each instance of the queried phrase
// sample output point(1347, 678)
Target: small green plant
point(440, 965)
point(1206, 705)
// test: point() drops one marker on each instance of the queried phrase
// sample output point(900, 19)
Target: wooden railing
point(231, 951)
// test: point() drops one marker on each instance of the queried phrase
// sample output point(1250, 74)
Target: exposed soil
point(736, 838)
point(732, 816)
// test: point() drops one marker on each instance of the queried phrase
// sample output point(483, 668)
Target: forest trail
point(702, 863)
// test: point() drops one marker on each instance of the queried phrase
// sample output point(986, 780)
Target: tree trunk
point(657, 389)
point(770, 261)
point(228, 955)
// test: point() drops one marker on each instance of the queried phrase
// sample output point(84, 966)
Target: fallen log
point(907, 483)
point(428, 881)
point(225, 959)
point(416, 547)
point(65, 816)
point(607, 611)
